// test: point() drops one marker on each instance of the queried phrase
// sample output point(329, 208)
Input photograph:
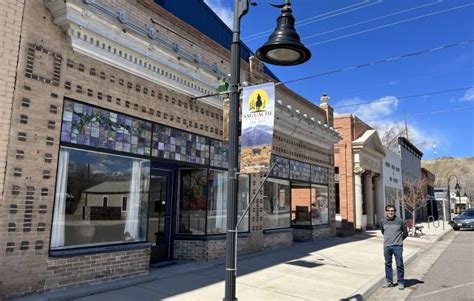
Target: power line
point(404, 97)
point(377, 62)
point(418, 114)
point(374, 19)
point(387, 25)
point(315, 19)
point(252, 36)
point(441, 111)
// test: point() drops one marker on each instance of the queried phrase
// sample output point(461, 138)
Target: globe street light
point(284, 49)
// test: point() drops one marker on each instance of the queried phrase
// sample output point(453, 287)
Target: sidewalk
point(332, 269)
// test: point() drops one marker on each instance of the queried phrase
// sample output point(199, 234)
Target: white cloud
point(225, 13)
point(379, 114)
point(376, 110)
point(468, 95)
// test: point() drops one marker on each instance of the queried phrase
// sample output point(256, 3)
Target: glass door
point(159, 214)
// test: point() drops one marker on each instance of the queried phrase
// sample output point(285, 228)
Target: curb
point(377, 282)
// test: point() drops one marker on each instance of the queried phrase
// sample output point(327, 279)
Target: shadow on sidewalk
point(172, 283)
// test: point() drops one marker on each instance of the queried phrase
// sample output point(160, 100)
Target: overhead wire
point(270, 30)
point(388, 25)
point(394, 58)
point(429, 112)
point(412, 114)
point(315, 19)
point(371, 20)
point(404, 97)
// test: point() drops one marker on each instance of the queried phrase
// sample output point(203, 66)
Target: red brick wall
point(343, 159)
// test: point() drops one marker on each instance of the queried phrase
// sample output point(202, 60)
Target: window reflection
point(276, 204)
point(193, 201)
point(100, 198)
point(319, 205)
point(201, 190)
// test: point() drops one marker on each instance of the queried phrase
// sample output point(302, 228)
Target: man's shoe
point(387, 284)
point(401, 286)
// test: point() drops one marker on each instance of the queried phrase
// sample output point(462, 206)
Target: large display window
point(100, 199)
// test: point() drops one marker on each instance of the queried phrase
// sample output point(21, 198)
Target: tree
point(389, 133)
point(414, 196)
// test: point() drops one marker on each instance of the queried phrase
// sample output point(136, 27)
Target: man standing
point(394, 232)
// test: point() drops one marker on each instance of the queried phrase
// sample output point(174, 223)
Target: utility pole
point(406, 124)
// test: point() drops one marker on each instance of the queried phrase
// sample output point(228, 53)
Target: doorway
point(159, 214)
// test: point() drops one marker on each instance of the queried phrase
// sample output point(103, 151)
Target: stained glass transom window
point(91, 126)
point(173, 144)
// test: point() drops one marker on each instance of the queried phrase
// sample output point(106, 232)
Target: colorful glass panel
point(91, 126)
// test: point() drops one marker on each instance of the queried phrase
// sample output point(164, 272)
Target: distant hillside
point(463, 168)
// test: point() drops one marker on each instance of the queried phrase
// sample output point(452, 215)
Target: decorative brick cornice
point(115, 38)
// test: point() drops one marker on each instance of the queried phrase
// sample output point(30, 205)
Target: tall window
point(319, 205)
point(193, 202)
point(203, 202)
point(89, 199)
point(276, 204)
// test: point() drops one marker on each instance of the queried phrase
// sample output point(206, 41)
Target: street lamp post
point(283, 48)
point(449, 193)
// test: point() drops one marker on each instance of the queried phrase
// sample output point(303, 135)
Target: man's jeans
point(396, 251)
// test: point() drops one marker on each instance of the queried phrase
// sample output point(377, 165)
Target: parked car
point(464, 220)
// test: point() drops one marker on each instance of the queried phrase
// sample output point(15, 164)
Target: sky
point(346, 33)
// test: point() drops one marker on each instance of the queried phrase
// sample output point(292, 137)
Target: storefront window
point(196, 197)
point(319, 205)
point(276, 204)
point(300, 204)
point(193, 201)
point(100, 199)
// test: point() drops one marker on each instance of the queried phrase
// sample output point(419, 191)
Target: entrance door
point(159, 214)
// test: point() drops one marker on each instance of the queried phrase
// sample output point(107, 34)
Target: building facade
point(432, 207)
point(411, 165)
point(110, 165)
point(358, 162)
point(392, 183)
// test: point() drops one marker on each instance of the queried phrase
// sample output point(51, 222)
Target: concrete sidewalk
point(331, 269)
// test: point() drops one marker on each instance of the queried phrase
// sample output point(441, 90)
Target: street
point(452, 275)
point(443, 272)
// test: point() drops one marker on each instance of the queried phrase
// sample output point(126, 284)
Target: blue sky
point(344, 33)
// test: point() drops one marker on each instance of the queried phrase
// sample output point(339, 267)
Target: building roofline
point(411, 145)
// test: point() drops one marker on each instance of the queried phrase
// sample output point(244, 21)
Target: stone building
point(358, 164)
point(109, 165)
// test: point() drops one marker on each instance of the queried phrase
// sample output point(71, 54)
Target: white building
point(392, 182)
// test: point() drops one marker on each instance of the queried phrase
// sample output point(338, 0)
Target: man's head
point(390, 211)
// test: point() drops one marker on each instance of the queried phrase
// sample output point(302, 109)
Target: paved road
point(452, 275)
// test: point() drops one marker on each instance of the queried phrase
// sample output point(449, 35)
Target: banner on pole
point(258, 113)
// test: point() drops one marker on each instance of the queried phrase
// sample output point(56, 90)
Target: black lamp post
point(283, 48)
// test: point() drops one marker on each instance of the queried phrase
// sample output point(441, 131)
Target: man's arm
point(405, 230)
point(381, 226)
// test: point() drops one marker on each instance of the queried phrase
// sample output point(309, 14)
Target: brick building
point(358, 163)
point(108, 165)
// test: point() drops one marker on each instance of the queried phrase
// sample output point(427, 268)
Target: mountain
point(260, 135)
point(462, 168)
